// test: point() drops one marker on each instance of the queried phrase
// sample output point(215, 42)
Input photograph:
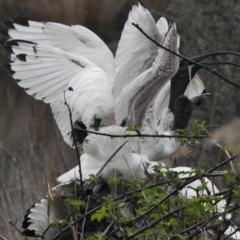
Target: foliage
point(156, 209)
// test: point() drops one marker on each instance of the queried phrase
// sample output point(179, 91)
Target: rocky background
point(32, 151)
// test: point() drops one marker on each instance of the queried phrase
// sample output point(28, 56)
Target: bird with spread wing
point(59, 64)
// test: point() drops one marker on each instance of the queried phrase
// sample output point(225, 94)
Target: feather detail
point(80, 40)
point(135, 53)
point(53, 75)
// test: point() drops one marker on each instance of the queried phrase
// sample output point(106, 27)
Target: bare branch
point(188, 59)
point(74, 139)
point(146, 135)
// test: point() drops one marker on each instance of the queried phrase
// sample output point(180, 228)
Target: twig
point(15, 227)
point(153, 223)
point(133, 174)
point(74, 139)
point(45, 231)
point(84, 220)
point(187, 59)
point(221, 164)
point(145, 135)
point(106, 163)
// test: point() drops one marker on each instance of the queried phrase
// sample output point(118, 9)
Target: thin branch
point(153, 223)
point(145, 135)
point(221, 164)
point(84, 220)
point(74, 139)
point(106, 163)
point(187, 59)
point(15, 227)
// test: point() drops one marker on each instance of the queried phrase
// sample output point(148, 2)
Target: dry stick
point(185, 58)
point(15, 227)
point(74, 139)
point(106, 163)
point(73, 230)
point(84, 220)
point(134, 176)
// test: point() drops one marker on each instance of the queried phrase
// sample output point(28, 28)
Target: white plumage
point(135, 53)
point(46, 72)
point(133, 88)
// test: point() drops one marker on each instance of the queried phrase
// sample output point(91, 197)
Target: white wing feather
point(163, 69)
point(135, 52)
point(89, 96)
point(75, 39)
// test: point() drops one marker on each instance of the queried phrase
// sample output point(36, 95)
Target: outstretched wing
point(137, 97)
point(136, 53)
point(53, 75)
point(75, 39)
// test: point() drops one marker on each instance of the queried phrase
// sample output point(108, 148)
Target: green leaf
point(75, 204)
point(100, 214)
point(134, 128)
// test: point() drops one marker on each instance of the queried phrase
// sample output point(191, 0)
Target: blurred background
point(32, 151)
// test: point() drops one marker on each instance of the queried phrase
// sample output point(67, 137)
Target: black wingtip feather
point(7, 49)
point(8, 68)
point(78, 134)
point(21, 57)
point(30, 233)
point(26, 21)
point(4, 33)
point(141, 3)
point(16, 42)
point(8, 24)
point(26, 222)
point(21, 21)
